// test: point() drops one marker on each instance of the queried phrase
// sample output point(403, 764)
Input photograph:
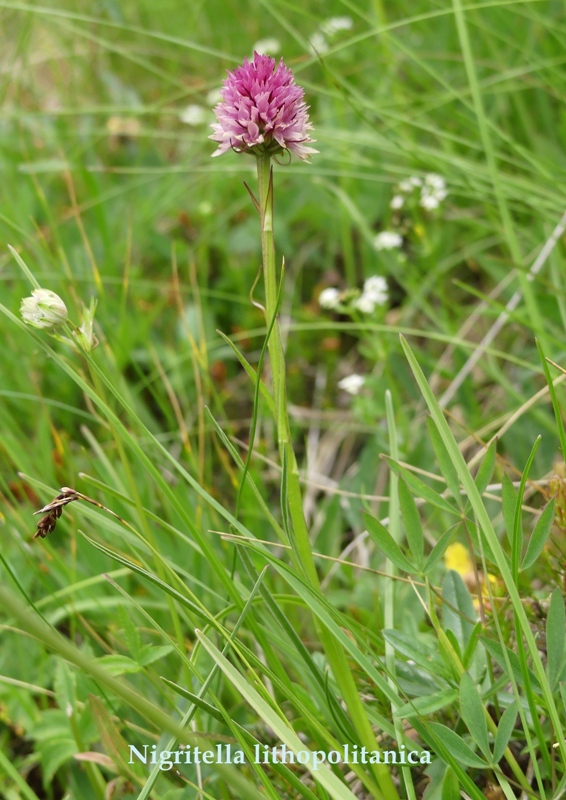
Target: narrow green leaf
point(473, 713)
point(496, 651)
point(485, 471)
point(457, 746)
point(504, 731)
point(555, 637)
point(412, 522)
point(152, 578)
point(323, 775)
point(438, 550)
point(509, 498)
point(458, 613)
point(447, 468)
point(472, 644)
point(36, 626)
point(131, 633)
point(150, 653)
point(517, 541)
point(449, 651)
point(421, 489)
point(249, 480)
point(65, 685)
point(554, 398)
point(194, 698)
point(449, 637)
point(118, 665)
point(113, 744)
point(386, 543)
point(539, 535)
point(481, 544)
point(428, 704)
point(319, 605)
point(409, 646)
point(488, 532)
point(252, 374)
point(53, 754)
point(24, 267)
point(450, 786)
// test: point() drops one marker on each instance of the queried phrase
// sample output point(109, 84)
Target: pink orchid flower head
point(262, 111)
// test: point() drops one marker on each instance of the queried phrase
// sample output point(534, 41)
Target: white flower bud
point(85, 334)
point(44, 309)
point(387, 240)
point(429, 202)
point(375, 290)
point(435, 181)
point(375, 285)
point(364, 303)
point(352, 383)
point(329, 298)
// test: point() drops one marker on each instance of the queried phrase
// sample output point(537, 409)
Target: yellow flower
point(457, 558)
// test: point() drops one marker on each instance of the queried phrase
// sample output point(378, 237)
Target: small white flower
point(352, 383)
point(364, 303)
point(397, 201)
point(329, 298)
point(387, 240)
point(194, 115)
point(406, 187)
point(375, 289)
point(414, 180)
point(433, 191)
point(44, 309)
point(435, 181)
point(429, 202)
point(336, 24)
point(441, 194)
point(376, 283)
point(214, 97)
point(269, 47)
point(318, 43)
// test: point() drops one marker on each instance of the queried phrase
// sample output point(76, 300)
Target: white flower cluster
point(432, 191)
point(388, 240)
point(352, 383)
point(373, 294)
point(327, 30)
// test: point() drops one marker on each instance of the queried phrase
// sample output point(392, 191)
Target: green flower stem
point(298, 533)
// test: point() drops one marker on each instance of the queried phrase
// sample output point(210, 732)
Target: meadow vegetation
point(422, 310)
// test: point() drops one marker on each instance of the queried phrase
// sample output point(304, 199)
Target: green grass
point(243, 589)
